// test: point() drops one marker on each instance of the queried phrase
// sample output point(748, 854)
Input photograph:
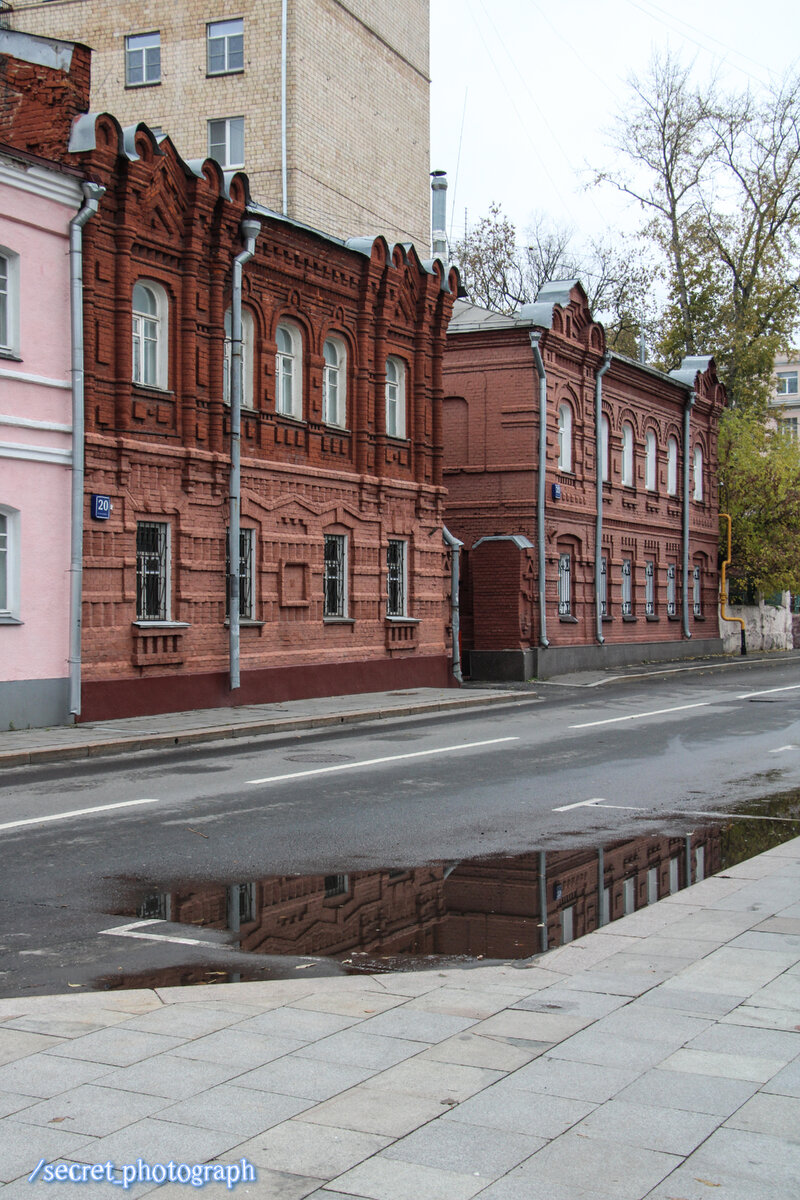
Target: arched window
point(605, 466)
point(289, 371)
point(697, 465)
point(334, 382)
point(672, 466)
point(150, 334)
point(395, 398)
point(650, 461)
point(564, 437)
point(627, 454)
point(247, 359)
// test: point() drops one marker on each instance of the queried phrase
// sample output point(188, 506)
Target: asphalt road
point(575, 766)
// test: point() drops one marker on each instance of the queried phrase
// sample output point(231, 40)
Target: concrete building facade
point(565, 570)
point(338, 139)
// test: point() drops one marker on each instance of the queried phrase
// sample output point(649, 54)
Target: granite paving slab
point(307, 1078)
point(448, 1145)
point(235, 1047)
point(302, 1025)
point(22, 1146)
point(674, 1130)
point(712, 1094)
point(392, 1179)
point(117, 1046)
point(186, 1020)
point(785, 1082)
point(17, 1043)
point(505, 1107)
point(92, 1109)
point(472, 1050)
point(769, 1113)
point(444, 1081)
point(573, 1080)
point(241, 1111)
point(300, 1148)
point(366, 1110)
point(353, 1046)
point(170, 1076)
point(44, 1075)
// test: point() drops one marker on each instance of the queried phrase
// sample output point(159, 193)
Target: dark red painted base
point(115, 698)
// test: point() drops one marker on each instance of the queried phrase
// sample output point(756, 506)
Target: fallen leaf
point(74, 985)
point(197, 831)
point(707, 1182)
point(57, 1120)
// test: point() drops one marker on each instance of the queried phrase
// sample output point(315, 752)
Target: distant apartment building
point(325, 103)
point(786, 399)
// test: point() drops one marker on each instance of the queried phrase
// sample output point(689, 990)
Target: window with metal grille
point(225, 46)
point(603, 587)
point(650, 588)
point(152, 571)
point(335, 576)
point(336, 885)
point(627, 588)
point(396, 579)
point(672, 597)
point(697, 600)
point(142, 59)
point(246, 574)
point(564, 585)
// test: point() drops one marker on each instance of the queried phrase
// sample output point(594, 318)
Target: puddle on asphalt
point(443, 914)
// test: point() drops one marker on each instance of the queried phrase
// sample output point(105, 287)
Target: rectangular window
point(650, 588)
point(699, 864)
point(672, 591)
point(603, 587)
point(247, 606)
point(564, 585)
point(225, 45)
point(674, 875)
point(652, 885)
point(226, 141)
point(4, 561)
point(336, 885)
point(787, 383)
point(335, 578)
point(788, 425)
point(627, 588)
point(152, 571)
point(567, 924)
point(629, 895)
point(5, 339)
point(396, 579)
point(697, 600)
point(142, 59)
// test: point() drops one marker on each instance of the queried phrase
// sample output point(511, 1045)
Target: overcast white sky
point(524, 91)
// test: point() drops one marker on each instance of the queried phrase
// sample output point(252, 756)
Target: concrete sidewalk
point(92, 739)
point(658, 1057)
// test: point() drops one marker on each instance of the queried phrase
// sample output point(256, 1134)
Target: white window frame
point(248, 337)
point(672, 466)
point(289, 371)
point(672, 590)
point(334, 382)
point(163, 553)
point(247, 573)
point(9, 564)
point(697, 590)
point(221, 131)
point(627, 455)
point(629, 895)
point(395, 397)
point(565, 438)
point(150, 328)
point(565, 584)
point(789, 426)
point(228, 33)
point(627, 587)
point(335, 577)
point(650, 588)
point(650, 461)
point(604, 586)
point(697, 473)
point(397, 578)
point(785, 381)
point(605, 442)
point(9, 303)
point(138, 59)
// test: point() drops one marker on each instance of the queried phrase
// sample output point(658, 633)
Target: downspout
point(690, 399)
point(455, 548)
point(598, 457)
point(535, 335)
point(250, 230)
point(284, 135)
point(92, 193)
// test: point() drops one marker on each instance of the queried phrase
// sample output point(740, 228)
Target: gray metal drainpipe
point(92, 194)
point(535, 336)
point(250, 230)
point(455, 547)
point(284, 123)
point(686, 468)
point(598, 448)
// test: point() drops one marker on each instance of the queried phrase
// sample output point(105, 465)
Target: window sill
point(567, 619)
point(11, 355)
point(673, 617)
point(338, 620)
point(698, 616)
point(246, 623)
point(607, 618)
point(7, 619)
point(224, 74)
point(147, 83)
point(403, 620)
point(151, 387)
point(652, 617)
point(141, 624)
point(630, 619)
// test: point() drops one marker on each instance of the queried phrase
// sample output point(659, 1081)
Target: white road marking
point(790, 687)
point(780, 749)
point(372, 762)
point(130, 931)
point(599, 803)
point(580, 804)
point(691, 812)
point(657, 712)
point(76, 812)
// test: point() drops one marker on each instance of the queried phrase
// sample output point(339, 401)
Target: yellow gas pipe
point(722, 612)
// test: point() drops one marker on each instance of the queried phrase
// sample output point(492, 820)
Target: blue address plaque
point(101, 507)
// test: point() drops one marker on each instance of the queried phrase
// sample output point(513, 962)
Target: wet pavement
point(656, 1057)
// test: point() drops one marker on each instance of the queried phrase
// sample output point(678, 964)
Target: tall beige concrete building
point(324, 103)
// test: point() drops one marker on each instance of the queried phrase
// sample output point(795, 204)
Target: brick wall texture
point(357, 97)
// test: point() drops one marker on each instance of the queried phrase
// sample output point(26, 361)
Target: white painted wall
point(766, 627)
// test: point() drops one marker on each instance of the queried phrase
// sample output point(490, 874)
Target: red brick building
point(343, 580)
point(590, 535)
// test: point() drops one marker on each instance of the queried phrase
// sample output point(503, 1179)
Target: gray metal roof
point(519, 540)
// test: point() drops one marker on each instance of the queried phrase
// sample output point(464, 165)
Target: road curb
point(101, 747)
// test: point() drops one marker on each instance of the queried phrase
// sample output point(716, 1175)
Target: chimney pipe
point(439, 213)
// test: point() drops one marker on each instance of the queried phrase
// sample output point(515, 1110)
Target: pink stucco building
point(37, 202)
